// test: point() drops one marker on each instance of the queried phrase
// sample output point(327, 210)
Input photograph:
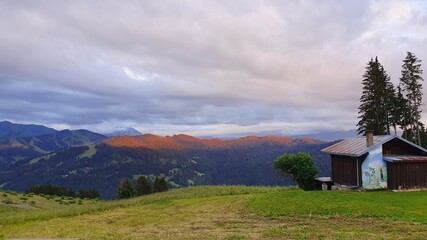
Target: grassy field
point(230, 212)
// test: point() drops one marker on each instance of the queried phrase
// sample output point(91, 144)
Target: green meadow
point(219, 212)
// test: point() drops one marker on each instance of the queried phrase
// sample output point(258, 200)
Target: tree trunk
point(418, 135)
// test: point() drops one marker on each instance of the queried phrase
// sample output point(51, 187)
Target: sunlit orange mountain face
point(183, 142)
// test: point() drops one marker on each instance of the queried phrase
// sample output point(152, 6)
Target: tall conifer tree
point(160, 185)
point(410, 82)
point(156, 185)
point(142, 186)
point(376, 102)
point(125, 190)
point(163, 184)
point(399, 111)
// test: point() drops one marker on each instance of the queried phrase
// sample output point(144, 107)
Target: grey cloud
point(203, 63)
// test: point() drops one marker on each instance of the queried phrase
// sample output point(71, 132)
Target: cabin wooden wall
point(399, 147)
point(344, 170)
point(407, 175)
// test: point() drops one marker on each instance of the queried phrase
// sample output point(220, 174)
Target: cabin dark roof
point(397, 158)
point(356, 147)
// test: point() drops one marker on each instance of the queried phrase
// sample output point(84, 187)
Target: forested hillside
point(184, 160)
point(14, 149)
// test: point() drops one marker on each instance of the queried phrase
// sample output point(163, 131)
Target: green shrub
point(7, 201)
point(300, 167)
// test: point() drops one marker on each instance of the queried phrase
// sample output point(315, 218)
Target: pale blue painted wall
point(374, 170)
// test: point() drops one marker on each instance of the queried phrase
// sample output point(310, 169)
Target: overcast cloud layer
point(205, 68)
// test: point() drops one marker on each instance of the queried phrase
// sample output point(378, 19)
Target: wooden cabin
point(378, 162)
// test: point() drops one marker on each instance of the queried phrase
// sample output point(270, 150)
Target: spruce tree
point(410, 82)
point(399, 111)
point(160, 185)
point(395, 114)
point(376, 102)
point(423, 135)
point(142, 186)
point(156, 185)
point(388, 99)
point(163, 185)
point(125, 190)
point(89, 193)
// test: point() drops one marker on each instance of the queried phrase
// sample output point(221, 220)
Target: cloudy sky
point(205, 68)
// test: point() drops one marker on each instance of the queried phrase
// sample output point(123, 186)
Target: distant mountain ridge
point(330, 136)
point(182, 142)
point(29, 141)
point(8, 129)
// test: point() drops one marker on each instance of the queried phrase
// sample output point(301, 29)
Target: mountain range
point(330, 136)
point(20, 142)
point(184, 142)
point(83, 159)
point(8, 129)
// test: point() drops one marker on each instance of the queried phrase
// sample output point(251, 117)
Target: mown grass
point(49, 207)
point(20, 207)
point(228, 212)
point(408, 206)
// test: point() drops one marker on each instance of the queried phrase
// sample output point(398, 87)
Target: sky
point(203, 68)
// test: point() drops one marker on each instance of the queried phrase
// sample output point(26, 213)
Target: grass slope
point(408, 206)
point(230, 212)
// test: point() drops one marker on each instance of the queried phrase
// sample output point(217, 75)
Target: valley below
point(81, 159)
